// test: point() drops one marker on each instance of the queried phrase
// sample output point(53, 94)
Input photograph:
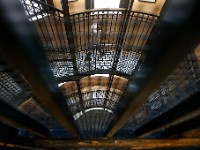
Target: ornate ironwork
point(96, 41)
point(102, 43)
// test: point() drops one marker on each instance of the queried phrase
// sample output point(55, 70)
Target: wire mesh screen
point(8, 87)
point(94, 115)
point(101, 44)
point(12, 85)
point(96, 38)
point(97, 34)
point(16, 91)
point(49, 25)
point(182, 83)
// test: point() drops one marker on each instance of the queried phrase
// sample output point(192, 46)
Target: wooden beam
point(21, 48)
point(170, 43)
point(17, 119)
point(134, 144)
point(6, 146)
point(178, 122)
point(194, 133)
point(180, 111)
point(177, 129)
point(8, 130)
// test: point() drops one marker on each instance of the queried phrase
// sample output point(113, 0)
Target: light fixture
point(100, 75)
point(72, 0)
point(150, 1)
point(106, 3)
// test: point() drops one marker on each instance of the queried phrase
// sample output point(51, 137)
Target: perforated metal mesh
point(15, 91)
point(8, 87)
point(96, 38)
point(49, 25)
point(101, 44)
point(99, 47)
point(12, 85)
point(183, 82)
point(97, 34)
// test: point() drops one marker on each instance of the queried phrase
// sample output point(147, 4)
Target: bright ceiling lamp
point(79, 114)
point(60, 84)
point(106, 3)
point(100, 75)
point(72, 0)
point(150, 1)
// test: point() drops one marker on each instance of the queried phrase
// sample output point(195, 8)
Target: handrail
point(111, 9)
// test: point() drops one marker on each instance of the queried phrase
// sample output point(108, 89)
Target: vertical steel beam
point(176, 33)
point(21, 47)
point(70, 39)
point(122, 32)
point(89, 4)
point(123, 3)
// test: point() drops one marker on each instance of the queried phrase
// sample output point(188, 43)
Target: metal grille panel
point(8, 87)
point(94, 117)
point(97, 34)
point(99, 47)
point(96, 38)
point(183, 82)
point(16, 91)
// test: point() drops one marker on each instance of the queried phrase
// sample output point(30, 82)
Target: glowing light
point(60, 84)
point(100, 75)
point(151, 1)
point(79, 114)
point(106, 3)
